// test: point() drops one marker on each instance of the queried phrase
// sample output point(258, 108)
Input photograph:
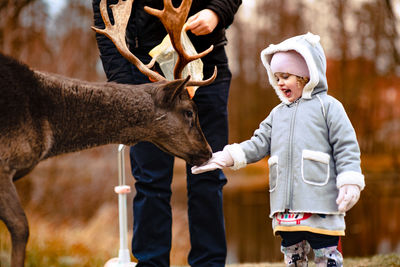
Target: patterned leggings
point(295, 255)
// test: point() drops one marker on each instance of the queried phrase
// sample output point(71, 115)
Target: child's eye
point(282, 76)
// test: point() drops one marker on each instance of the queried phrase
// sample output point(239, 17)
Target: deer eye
point(189, 114)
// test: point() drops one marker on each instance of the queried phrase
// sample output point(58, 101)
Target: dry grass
point(390, 260)
point(53, 244)
point(93, 243)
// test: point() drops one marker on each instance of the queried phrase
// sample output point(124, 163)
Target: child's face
point(289, 86)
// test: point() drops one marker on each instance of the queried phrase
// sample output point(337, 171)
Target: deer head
point(176, 127)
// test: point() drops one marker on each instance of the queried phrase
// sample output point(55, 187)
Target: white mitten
point(348, 197)
point(219, 160)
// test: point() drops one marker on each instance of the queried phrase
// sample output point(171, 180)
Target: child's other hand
point(218, 160)
point(348, 197)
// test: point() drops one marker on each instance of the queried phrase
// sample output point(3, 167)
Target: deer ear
point(173, 89)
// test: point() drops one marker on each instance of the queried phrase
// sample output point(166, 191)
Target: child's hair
point(302, 81)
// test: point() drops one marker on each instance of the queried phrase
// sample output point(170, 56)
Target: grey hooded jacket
point(311, 143)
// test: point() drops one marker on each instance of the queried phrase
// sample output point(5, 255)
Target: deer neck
point(83, 114)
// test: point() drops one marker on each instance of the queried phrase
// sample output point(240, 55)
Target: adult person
point(153, 168)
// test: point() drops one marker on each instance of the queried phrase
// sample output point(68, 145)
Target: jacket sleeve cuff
point(238, 156)
point(225, 9)
point(350, 177)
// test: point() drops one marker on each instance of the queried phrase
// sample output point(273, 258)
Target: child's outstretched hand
point(218, 160)
point(348, 197)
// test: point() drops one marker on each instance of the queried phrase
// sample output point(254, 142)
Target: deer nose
point(209, 154)
point(201, 157)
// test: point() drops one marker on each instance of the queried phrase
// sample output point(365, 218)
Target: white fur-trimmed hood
point(309, 47)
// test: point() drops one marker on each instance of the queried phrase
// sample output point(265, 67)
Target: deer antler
point(116, 33)
point(173, 20)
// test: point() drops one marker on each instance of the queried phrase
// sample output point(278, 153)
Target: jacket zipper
point(136, 28)
point(136, 41)
point(289, 196)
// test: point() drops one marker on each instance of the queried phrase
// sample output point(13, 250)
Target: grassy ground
point(62, 251)
point(51, 246)
point(65, 254)
point(390, 260)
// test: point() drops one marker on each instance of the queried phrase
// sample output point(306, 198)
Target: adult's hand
point(203, 22)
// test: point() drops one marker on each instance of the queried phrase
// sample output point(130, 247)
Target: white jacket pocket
point(315, 167)
point(273, 172)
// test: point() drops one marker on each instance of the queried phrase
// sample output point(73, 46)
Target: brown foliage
point(361, 42)
point(359, 36)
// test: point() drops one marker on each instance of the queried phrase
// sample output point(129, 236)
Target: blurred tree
point(362, 45)
point(393, 35)
point(378, 59)
point(21, 23)
point(361, 40)
point(63, 44)
point(76, 47)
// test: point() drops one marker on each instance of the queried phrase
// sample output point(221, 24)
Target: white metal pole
point(124, 259)
point(123, 256)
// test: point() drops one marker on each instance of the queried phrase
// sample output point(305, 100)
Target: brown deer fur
point(44, 115)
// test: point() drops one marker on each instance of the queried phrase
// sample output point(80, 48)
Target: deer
point(43, 114)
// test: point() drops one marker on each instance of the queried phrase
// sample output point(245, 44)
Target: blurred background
point(69, 200)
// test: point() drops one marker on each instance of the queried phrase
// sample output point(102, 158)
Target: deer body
point(43, 115)
point(98, 114)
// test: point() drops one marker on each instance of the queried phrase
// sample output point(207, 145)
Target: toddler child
point(314, 164)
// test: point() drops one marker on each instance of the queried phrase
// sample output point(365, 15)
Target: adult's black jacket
point(145, 31)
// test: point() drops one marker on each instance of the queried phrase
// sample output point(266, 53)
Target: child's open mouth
point(287, 92)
